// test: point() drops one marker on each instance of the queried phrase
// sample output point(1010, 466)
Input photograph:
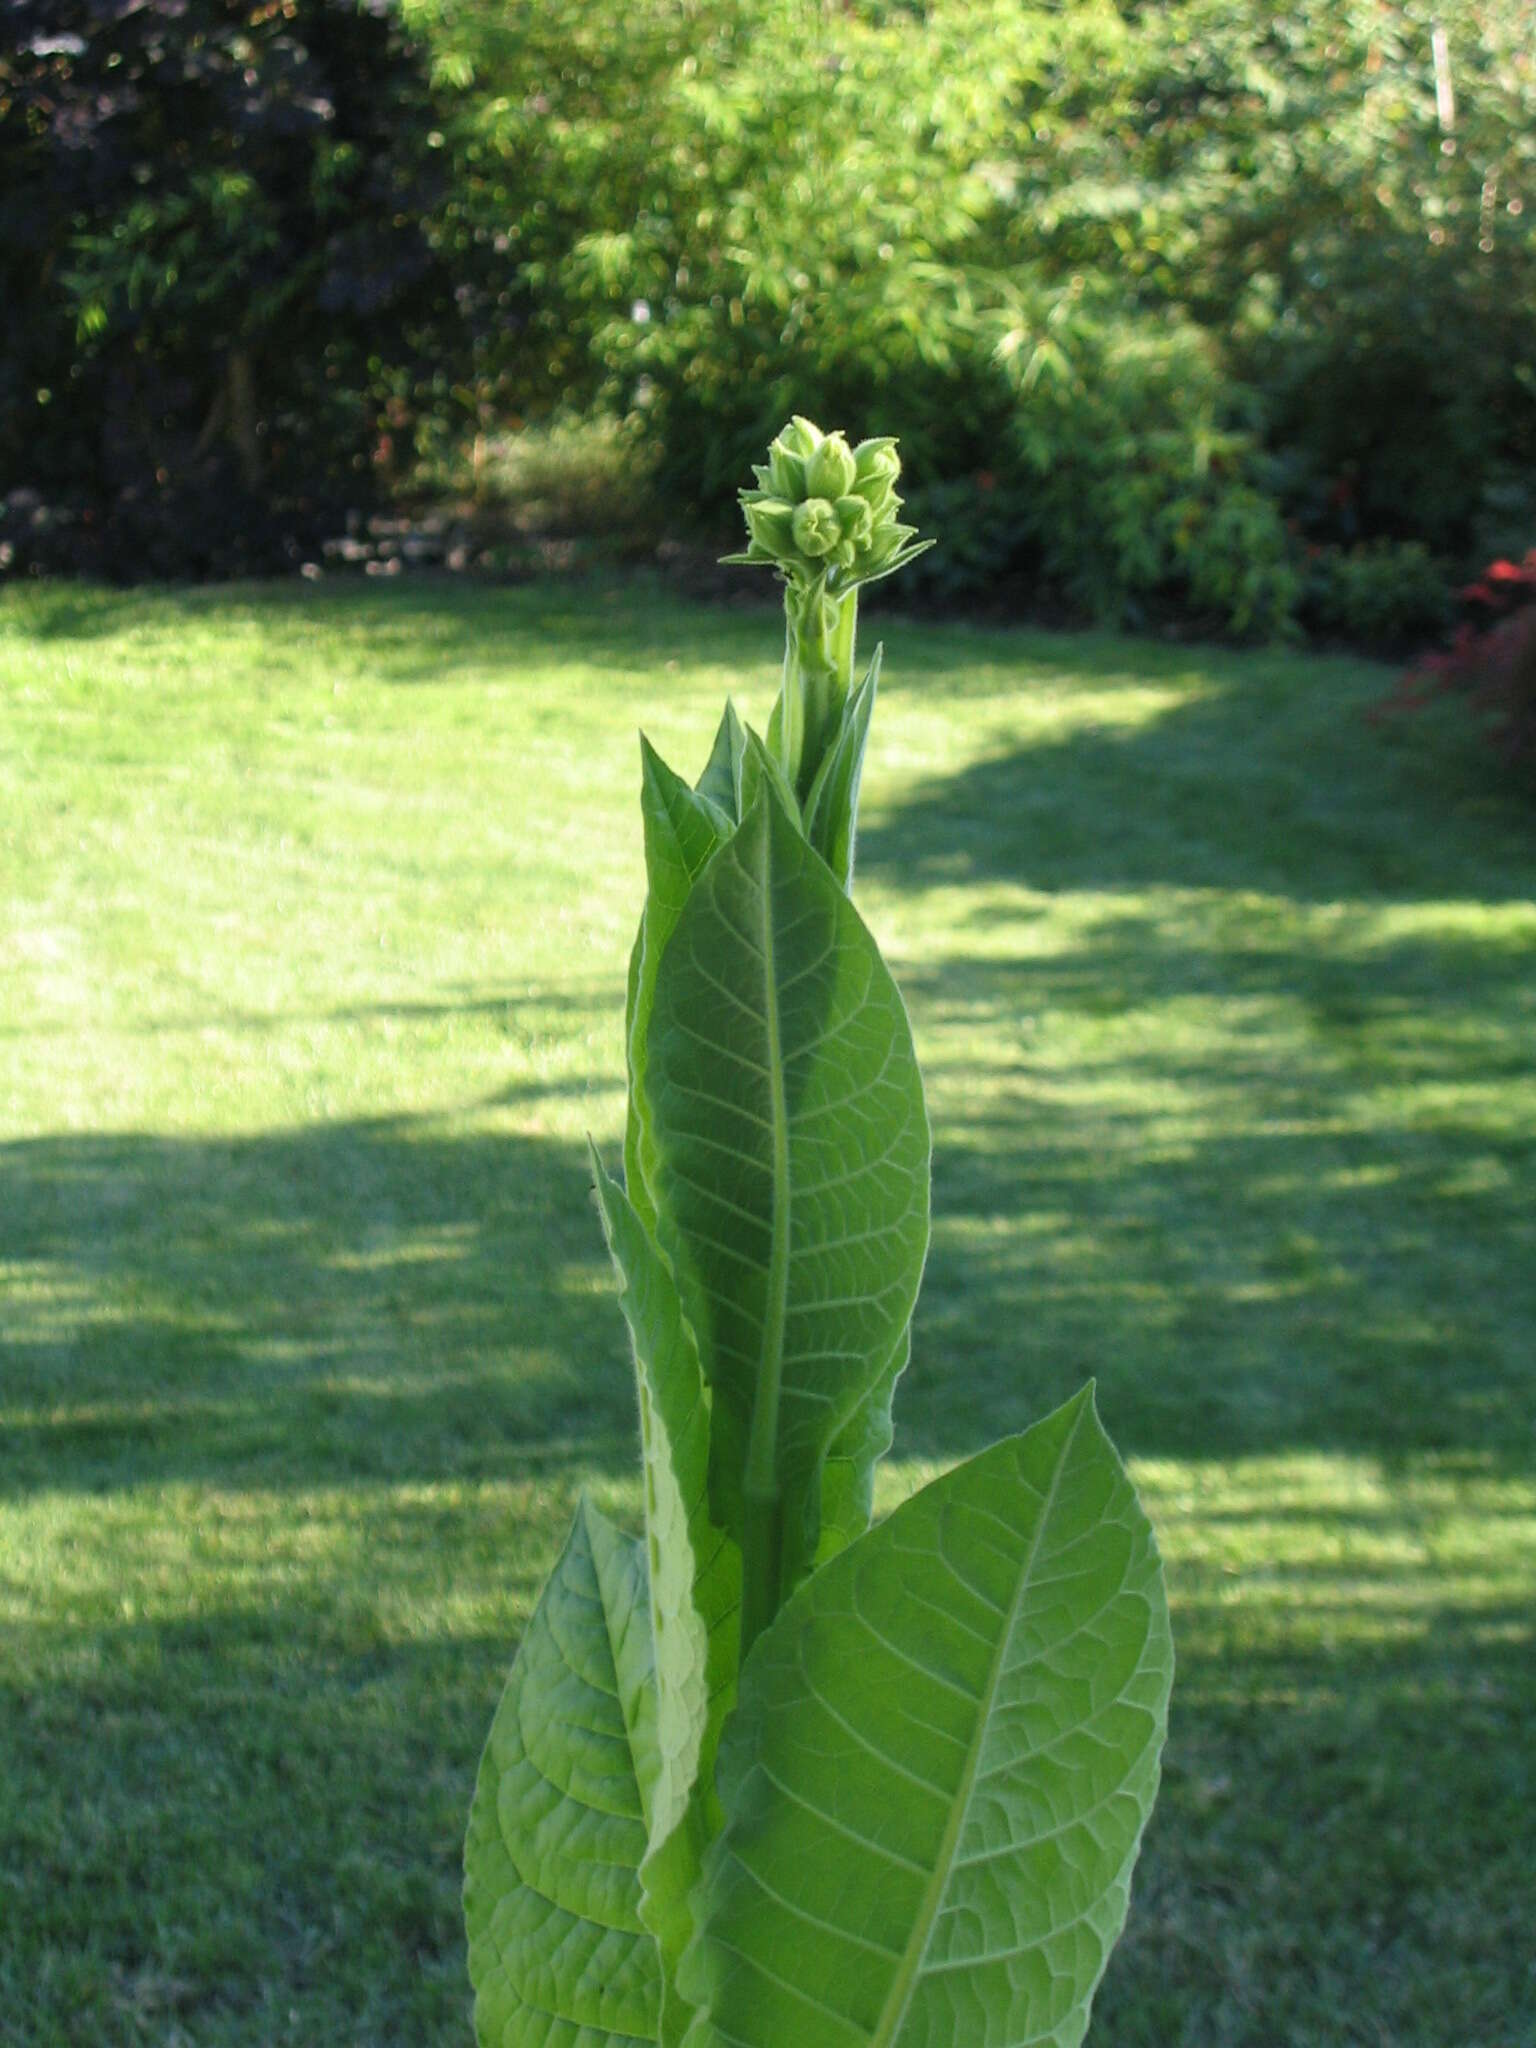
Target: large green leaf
point(694, 1581)
point(944, 1754)
point(791, 1174)
point(682, 828)
point(560, 1820)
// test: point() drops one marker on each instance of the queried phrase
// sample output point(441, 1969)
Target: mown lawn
point(314, 909)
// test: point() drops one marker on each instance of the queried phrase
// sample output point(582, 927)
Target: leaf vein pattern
point(943, 1558)
point(737, 1001)
point(905, 1656)
point(862, 1741)
point(833, 1927)
point(709, 1194)
point(897, 2005)
point(1038, 1835)
point(1023, 1948)
point(838, 1827)
point(1047, 1749)
point(946, 1615)
point(828, 1108)
point(796, 1991)
point(716, 1102)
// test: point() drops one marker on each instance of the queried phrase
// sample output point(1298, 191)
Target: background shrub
point(1491, 661)
point(1382, 594)
point(1141, 268)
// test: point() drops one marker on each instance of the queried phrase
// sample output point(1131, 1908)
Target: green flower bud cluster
point(825, 510)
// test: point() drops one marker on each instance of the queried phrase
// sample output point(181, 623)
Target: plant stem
point(762, 1550)
point(819, 631)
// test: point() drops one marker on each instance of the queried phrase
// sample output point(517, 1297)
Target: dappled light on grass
point(1350, 1765)
point(1226, 1010)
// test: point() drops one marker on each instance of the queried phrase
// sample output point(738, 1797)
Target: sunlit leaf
point(946, 1750)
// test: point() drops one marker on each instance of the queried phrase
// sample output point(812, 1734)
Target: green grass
point(316, 904)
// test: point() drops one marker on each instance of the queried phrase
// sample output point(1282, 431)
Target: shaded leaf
point(694, 1579)
point(760, 769)
point(720, 783)
point(559, 1822)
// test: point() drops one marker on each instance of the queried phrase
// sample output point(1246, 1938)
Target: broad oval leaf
point(559, 1823)
point(791, 1147)
point(945, 1750)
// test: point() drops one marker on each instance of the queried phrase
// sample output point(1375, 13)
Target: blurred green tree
point(720, 213)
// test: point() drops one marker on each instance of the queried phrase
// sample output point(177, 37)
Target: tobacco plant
point(766, 1776)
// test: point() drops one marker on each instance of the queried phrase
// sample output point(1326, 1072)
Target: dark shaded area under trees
point(212, 247)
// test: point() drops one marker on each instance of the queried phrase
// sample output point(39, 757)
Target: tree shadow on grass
point(248, 1824)
point(1260, 784)
point(372, 1299)
point(1337, 1854)
point(417, 631)
point(1251, 1249)
point(1249, 1253)
point(1220, 1044)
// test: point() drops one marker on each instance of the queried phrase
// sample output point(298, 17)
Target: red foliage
point(1504, 586)
point(1491, 661)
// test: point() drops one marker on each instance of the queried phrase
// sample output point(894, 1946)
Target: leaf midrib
point(762, 1476)
point(899, 1998)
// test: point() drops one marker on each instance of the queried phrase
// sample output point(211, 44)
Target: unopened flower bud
point(876, 464)
point(815, 527)
point(855, 520)
point(879, 494)
point(830, 472)
point(822, 509)
point(770, 522)
point(788, 457)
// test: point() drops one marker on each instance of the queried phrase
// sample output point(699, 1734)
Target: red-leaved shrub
point(1491, 661)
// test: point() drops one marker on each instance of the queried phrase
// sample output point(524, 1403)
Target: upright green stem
point(786, 727)
point(762, 1551)
point(819, 631)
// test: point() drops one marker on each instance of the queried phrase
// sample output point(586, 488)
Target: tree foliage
point(1138, 285)
point(1173, 278)
point(211, 225)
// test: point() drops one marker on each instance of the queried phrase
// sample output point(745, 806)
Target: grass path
point(314, 907)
